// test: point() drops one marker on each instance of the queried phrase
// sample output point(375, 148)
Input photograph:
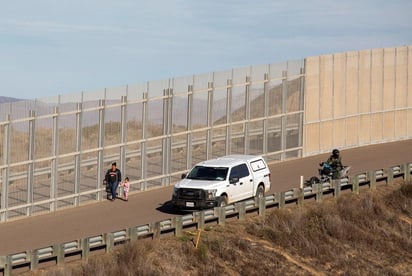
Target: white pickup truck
point(221, 181)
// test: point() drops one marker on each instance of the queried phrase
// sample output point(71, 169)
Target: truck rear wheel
point(260, 192)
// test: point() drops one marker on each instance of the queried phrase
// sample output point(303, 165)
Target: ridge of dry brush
point(366, 234)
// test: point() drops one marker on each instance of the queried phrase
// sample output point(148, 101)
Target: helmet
point(335, 152)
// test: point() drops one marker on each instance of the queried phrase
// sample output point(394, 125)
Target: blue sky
point(51, 47)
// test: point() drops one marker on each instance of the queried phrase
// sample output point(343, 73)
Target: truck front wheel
point(223, 201)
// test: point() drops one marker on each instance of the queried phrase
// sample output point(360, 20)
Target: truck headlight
point(175, 191)
point(211, 194)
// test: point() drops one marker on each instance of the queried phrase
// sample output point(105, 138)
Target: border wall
point(357, 98)
point(55, 151)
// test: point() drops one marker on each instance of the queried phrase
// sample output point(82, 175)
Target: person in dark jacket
point(112, 178)
point(335, 162)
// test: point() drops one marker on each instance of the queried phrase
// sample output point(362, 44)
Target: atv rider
point(335, 161)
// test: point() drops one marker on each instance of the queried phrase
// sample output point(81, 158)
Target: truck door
point(244, 187)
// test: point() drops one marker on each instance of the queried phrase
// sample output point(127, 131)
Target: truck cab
point(222, 181)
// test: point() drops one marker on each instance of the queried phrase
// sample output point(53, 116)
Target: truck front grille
point(184, 193)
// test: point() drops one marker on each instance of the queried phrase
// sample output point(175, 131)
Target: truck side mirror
point(234, 180)
point(183, 176)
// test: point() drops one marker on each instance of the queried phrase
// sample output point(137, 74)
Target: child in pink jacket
point(126, 187)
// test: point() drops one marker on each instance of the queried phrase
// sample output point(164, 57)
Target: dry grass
point(367, 234)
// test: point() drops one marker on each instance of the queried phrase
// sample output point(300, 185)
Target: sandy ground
point(151, 206)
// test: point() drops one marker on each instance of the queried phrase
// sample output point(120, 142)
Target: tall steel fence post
point(123, 134)
point(77, 157)
point(301, 108)
point(54, 164)
point(228, 116)
point(6, 169)
point(209, 135)
point(167, 121)
point(266, 114)
point(247, 116)
point(284, 118)
point(169, 135)
point(189, 126)
point(100, 153)
point(30, 166)
point(383, 95)
point(164, 133)
point(143, 164)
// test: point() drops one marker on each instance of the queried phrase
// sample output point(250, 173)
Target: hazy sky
point(51, 47)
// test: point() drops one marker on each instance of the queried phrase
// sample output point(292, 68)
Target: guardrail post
point(109, 242)
point(300, 196)
point(34, 259)
point(406, 172)
point(277, 198)
point(221, 215)
point(389, 176)
point(58, 251)
point(133, 233)
point(201, 220)
point(241, 206)
point(317, 189)
point(85, 248)
point(156, 230)
point(336, 187)
point(372, 180)
point(2, 261)
point(178, 226)
point(262, 206)
point(282, 200)
point(6, 263)
point(355, 184)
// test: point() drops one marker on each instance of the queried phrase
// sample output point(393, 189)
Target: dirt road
point(94, 219)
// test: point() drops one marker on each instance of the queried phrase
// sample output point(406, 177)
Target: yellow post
point(199, 231)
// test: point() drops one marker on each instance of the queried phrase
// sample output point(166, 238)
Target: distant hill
point(7, 99)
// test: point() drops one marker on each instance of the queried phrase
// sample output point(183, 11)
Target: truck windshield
point(208, 173)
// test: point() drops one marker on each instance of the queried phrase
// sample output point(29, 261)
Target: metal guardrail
point(96, 241)
point(108, 241)
point(143, 230)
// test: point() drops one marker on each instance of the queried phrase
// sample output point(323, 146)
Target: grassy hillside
point(366, 234)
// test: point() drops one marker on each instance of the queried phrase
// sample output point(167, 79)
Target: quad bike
point(326, 174)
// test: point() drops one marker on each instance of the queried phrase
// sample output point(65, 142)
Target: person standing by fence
point(112, 179)
point(126, 186)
